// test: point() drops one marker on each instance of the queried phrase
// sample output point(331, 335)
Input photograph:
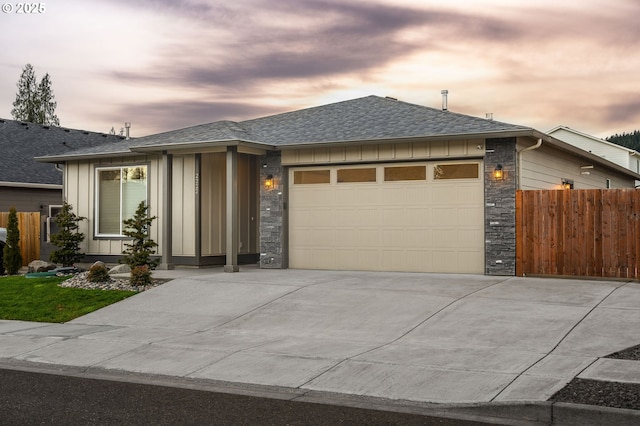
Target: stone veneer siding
point(500, 207)
point(272, 231)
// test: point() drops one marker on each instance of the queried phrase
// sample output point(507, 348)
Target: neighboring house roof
point(20, 142)
point(558, 130)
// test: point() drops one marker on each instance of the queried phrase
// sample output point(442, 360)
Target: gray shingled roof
point(362, 119)
point(20, 142)
point(368, 118)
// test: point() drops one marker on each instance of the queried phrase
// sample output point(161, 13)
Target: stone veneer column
point(272, 231)
point(500, 207)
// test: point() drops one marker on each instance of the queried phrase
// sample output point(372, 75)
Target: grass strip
point(41, 300)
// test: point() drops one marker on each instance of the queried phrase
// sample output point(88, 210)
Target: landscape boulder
point(40, 266)
point(120, 269)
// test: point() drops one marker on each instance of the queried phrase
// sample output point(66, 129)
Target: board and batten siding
point(183, 206)
point(400, 151)
point(545, 167)
point(79, 191)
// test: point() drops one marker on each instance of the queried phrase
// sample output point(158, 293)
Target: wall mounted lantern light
point(567, 184)
point(268, 183)
point(498, 172)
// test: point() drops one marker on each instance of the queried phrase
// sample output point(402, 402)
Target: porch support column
point(231, 264)
point(165, 214)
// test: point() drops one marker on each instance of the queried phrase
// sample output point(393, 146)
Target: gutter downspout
point(519, 160)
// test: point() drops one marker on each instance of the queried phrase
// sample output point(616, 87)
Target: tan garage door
point(418, 217)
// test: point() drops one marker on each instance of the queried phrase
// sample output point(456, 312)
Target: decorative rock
point(81, 281)
point(98, 264)
point(40, 266)
point(120, 269)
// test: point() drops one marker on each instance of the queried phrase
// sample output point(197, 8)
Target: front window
point(119, 192)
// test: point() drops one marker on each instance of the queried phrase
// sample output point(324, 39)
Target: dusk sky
point(164, 64)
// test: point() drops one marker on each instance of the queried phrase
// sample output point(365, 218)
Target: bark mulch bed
point(607, 394)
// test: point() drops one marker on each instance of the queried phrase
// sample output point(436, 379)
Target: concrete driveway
point(418, 337)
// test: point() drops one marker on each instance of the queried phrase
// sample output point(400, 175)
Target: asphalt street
point(29, 398)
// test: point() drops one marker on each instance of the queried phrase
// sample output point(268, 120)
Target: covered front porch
point(210, 206)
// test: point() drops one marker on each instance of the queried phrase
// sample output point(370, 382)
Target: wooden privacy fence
point(591, 232)
point(29, 226)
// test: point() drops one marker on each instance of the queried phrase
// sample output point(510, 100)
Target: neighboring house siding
point(545, 167)
point(80, 193)
point(604, 149)
point(29, 199)
point(383, 152)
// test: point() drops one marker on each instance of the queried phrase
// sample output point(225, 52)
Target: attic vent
point(66, 130)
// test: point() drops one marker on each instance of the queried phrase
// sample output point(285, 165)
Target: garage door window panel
point(356, 175)
point(404, 173)
point(306, 177)
point(456, 171)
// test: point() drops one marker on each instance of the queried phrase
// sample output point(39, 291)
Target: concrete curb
point(508, 413)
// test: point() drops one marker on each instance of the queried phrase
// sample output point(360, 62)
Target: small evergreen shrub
point(11, 256)
point(141, 276)
point(67, 239)
point(98, 273)
point(139, 251)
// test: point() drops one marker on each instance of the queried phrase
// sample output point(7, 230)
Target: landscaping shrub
point(141, 276)
point(68, 238)
point(12, 258)
point(139, 251)
point(98, 273)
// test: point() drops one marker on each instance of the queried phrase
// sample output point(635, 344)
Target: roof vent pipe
point(127, 126)
point(444, 100)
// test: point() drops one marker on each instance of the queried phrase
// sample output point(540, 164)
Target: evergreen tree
point(12, 259)
point(34, 102)
point(139, 251)
point(47, 112)
point(26, 105)
point(67, 239)
point(630, 140)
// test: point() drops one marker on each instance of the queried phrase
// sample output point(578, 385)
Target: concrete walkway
point(401, 336)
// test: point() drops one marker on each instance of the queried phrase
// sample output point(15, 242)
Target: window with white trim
point(119, 191)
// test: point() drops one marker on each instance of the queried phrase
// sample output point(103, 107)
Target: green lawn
point(40, 299)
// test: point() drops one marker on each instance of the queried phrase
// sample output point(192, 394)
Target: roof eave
point(219, 143)
point(74, 157)
point(449, 136)
point(31, 185)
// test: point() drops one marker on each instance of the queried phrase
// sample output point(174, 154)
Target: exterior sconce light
point(567, 184)
point(498, 172)
point(268, 183)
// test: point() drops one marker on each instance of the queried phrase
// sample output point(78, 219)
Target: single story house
point(365, 184)
point(32, 186)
